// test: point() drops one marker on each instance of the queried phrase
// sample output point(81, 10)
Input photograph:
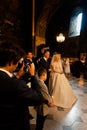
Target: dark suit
point(15, 97)
point(45, 64)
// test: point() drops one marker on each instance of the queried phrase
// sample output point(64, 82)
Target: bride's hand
point(61, 72)
point(51, 105)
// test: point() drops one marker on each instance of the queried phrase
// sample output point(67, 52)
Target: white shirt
point(45, 58)
point(7, 72)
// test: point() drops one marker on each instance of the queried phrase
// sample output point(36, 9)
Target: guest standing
point(67, 67)
point(45, 63)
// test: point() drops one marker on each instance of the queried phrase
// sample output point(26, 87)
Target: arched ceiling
point(15, 16)
point(48, 9)
point(63, 8)
point(45, 9)
point(45, 13)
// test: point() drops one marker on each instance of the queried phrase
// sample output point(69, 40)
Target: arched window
point(75, 22)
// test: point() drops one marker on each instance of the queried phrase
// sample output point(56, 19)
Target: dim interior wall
point(38, 41)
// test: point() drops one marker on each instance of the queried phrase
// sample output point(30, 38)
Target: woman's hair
point(10, 52)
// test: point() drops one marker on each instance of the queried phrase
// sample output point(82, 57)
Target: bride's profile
point(59, 87)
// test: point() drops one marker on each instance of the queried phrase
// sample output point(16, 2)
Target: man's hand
point(31, 70)
point(21, 72)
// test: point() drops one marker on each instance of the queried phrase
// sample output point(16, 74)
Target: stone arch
point(45, 16)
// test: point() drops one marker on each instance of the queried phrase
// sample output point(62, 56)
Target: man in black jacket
point(45, 63)
point(15, 95)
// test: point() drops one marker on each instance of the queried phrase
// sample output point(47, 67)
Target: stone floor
point(69, 119)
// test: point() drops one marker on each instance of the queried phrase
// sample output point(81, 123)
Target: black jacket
point(15, 97)
point(45, 64)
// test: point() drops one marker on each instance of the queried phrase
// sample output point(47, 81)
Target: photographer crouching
point(15, 95)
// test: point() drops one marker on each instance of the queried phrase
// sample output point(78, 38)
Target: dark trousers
point(40, 122)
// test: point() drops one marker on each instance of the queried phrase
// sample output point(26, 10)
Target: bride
point(59, 86)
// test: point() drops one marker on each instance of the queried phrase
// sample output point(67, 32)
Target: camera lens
point(26, 64)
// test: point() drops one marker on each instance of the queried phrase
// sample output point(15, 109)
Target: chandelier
point(60, 38)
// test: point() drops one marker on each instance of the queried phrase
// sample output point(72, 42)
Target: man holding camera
point(28, 62)
point(15, 95)
point(30, 57)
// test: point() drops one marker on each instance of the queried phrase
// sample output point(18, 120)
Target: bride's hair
point(55, 58)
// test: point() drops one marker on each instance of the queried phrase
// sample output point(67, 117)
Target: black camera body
point(27, 63)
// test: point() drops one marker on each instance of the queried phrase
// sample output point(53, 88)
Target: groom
point(45, 63)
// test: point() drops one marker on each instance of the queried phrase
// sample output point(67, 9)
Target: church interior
point(60, 26)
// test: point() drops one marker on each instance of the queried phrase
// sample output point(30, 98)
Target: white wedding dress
point(59, 87)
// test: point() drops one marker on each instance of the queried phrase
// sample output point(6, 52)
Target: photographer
point(15, 95)
point(28, 62)
point(25, 70)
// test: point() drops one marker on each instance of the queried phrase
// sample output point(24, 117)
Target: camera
point(27, 63)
